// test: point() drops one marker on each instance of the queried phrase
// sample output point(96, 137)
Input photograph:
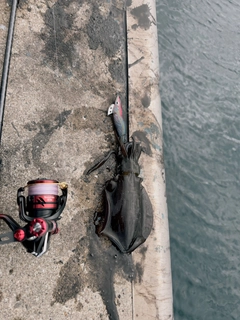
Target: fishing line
point(40, 188)
point(127, 120)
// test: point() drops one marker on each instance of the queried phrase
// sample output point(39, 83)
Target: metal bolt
point(37, 227)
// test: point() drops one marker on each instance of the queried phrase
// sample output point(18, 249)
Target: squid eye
point(111, 185)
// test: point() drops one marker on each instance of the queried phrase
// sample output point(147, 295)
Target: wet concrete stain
point(153, 131)
point(104, 32)
point(63, 37)
point(90, 118)
point(93, 265)
point(150, 127)
point(139, 265)
point(83, 118)
point(117, 71)
point(50, 122)
point(142, 14)
point(30, 150)
point(59, 37)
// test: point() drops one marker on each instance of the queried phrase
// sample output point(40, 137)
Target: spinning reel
point(40, 209)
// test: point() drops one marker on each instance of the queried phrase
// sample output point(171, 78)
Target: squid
point(127, 218)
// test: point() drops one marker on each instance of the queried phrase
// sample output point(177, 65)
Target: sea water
point(199, 52)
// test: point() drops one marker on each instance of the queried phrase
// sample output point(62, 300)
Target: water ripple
point(200, 67)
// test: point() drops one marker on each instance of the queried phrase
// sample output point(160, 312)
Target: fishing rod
point(127, 71)
point(42, 207)
point(6, 63)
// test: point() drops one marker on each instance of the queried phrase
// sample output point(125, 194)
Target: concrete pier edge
point(67, 65)
point(153, 296)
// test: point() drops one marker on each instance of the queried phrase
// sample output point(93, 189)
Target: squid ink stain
point(104, 32)
point(90, 118)
point(139, 269)
point(62, 37)
point(142, 14)
point(59, 37)
point(145, 143)
point(128, 3)
point(146, 100)
point(45, 128)
point(117, 70)
point(94, 265)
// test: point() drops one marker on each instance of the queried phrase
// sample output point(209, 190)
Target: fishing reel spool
point(40, 209)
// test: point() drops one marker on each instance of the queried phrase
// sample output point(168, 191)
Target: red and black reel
point(40, 209)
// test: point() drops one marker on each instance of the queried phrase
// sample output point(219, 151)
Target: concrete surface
point(68, 63)
point(153, 294)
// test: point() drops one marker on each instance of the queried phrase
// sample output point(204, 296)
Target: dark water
point(199, 48)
